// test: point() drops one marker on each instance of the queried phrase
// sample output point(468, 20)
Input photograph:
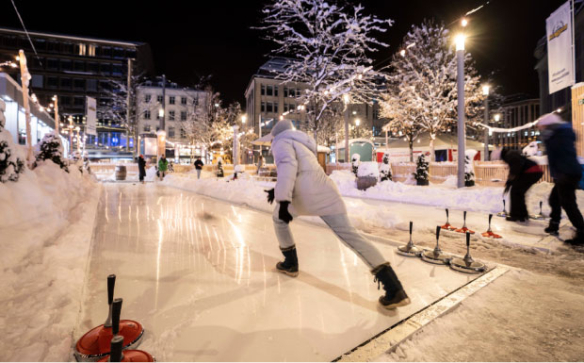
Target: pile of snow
point(368, 169)
point(445, 195)
point(250, 192)
point(46, 223)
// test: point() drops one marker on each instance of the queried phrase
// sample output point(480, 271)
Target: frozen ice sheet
point(199, 275)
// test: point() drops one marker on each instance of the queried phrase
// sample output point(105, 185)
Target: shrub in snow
point(367, 175)
point(50, 149)
point(469, 175)
point(11, 166)
point(531, 149)
point(421, 174)
point(385, 168)
point(355, 161)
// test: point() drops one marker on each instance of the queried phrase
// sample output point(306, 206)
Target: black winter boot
point(395, 295)
point(290, 264)
point(578, 239)
point(553, 228)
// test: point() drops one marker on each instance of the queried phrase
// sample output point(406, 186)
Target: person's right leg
point(395, 295)
point(198, 173)
point(567, 194)
point(556, 213)
point(290, 264)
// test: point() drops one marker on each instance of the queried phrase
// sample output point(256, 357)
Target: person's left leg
point(290, 264)
point(394, 293)
point(567, 192)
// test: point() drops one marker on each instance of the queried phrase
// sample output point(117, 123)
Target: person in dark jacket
point(141, 168)
point(199, 166)
point(523, 173)
point(566, 172)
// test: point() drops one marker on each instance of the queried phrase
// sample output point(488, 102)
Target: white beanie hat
point(282, 126)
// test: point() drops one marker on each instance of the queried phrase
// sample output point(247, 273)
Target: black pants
point(142, 175)
point(564, 196)
point(519, 187)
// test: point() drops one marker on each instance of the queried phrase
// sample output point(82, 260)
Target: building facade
point(517, 113)
point(72, 68)
point(180, 106)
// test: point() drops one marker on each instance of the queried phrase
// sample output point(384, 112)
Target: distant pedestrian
point(303, 188)
point(199, 166)
point(162, 166)
point(566, 172)
point(260, 164)
point(141, 168)
point(523, 173)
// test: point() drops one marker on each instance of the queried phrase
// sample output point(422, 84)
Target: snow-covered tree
point(422, 90)
point(50, 148)
point(11, 166)
point(422, 168)
point(329, 45)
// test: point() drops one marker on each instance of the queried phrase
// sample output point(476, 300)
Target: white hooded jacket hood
point(301, 179)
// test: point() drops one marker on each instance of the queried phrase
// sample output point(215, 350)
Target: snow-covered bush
point(367, 175)
point(385, 168)
point(11, 166)
point(368, 169)
point(50, 148)
point(531, 150)
point(421, 174)
point(355, 161)
point(469, 175)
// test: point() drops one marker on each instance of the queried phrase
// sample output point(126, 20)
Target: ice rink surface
point(199, 275)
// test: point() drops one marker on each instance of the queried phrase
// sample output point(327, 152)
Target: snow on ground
point(522, 316)
point(46, 224)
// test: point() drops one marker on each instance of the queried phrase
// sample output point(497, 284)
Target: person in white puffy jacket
point(302, 188)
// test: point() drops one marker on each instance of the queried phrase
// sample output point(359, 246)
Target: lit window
point(82, 49)
point(91, 52)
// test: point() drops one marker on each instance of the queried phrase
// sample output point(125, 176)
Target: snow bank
point(250, 192)
point(445, 195)
point(46, 223)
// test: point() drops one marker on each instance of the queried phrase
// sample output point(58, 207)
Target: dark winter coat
point(559, 142)
point(142, 167)
point(518, 164)
point(198, 164)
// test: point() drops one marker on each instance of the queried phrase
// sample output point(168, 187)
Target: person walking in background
point(260, 164)
point(199, 166)
point(303, 188)
point(566, 172)
point(523, 173)
point(141, 168)
point(162, 166)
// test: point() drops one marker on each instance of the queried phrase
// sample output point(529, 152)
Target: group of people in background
point(566, 172)
point(164, 166)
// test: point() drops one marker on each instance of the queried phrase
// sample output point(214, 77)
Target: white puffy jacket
point(301, 180)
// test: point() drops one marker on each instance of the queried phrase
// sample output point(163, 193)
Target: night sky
point(194, 38)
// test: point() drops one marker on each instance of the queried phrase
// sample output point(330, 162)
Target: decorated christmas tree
point(421, 174)
point(385, 168)
point(50, 149)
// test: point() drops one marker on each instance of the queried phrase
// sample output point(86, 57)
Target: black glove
point(284, 215)
point(270, 195)
point(507, 186)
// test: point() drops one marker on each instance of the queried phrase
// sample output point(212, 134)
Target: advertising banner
point(560, 52)
point(91, 112)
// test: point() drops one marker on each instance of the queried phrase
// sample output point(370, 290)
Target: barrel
point(120, 172)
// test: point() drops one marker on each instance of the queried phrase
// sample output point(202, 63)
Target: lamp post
point(486, 120)
point(461, 124)
point(357, 123)
point(346, 100)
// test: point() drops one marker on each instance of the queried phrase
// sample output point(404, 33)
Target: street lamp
point(486, 88)
point(357, 123)
point(464, 22)
point(346, 100)
point(459, 40)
